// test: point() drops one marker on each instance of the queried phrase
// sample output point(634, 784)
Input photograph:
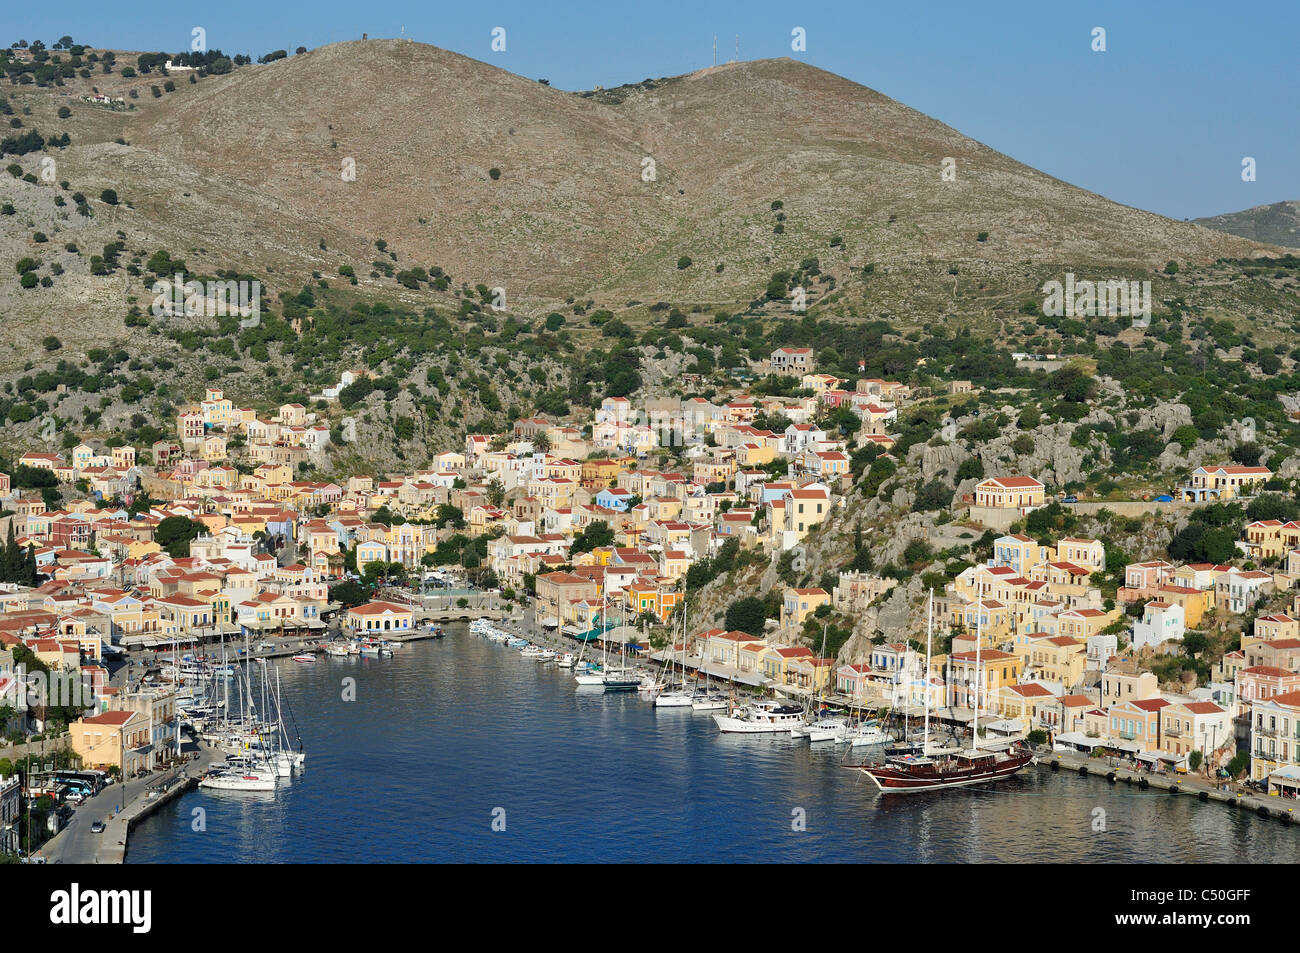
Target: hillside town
point(579, 523)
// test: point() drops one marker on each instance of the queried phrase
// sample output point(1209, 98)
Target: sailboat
point(932, 771)
point(622, 679)
point(820, 729)
point(682, 695)
point(709, 700)
point(589, 674)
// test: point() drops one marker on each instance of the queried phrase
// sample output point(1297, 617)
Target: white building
point(1160, 622)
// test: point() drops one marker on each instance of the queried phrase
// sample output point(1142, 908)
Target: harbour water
point(451, 740)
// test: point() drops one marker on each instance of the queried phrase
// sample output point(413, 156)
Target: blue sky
point(1161, 120)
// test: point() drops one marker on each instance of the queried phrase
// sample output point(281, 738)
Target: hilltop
point(1277, 224)
point(768, 176)
point(502, 181)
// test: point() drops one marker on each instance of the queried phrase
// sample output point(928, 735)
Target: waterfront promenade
point(120, 806)
point(1116, 771)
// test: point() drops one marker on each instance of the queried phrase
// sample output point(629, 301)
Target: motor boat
point(764, 717)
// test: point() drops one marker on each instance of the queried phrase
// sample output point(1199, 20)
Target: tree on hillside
point(597, 534)
point(349, 593)
point(174, 534)
point(746, 615)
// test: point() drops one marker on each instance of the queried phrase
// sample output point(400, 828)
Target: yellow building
point(1009, 492)
point(114, 739)
point(1056, 658)
point(798, 604)
point(375, 618)
point(997, 669)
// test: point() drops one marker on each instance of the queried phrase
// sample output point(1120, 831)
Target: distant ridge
point(1276, 224)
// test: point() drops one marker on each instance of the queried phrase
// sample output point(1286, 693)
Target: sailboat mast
point(925, 685)
point(979, 637)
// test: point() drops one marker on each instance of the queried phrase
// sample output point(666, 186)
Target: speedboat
point(565, 660)
point(337, 649)
point(304, 658)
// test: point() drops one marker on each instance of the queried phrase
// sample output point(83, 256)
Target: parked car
point(1069, 499)
point(97, 827)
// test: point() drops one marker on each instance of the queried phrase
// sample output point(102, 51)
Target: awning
point(1006, 726)
point(1079, 740)
point(550, 624)
point(735, 675)
point(1286, 779)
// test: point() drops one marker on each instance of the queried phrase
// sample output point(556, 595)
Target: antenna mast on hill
point(737, 48)
point(715, 49)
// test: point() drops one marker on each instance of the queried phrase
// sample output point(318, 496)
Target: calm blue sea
point(447, 735)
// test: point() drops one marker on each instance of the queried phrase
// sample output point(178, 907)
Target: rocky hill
point(302, 165)
point(1277, 224)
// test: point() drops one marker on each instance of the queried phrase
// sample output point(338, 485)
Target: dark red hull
point(928, 775)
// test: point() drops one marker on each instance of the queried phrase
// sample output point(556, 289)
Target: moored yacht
point(621, 680)
point(867, 734)
point(710, 701)
point(826, 729)
point(675, 698)
point(240, 774)
point(764, 717)
point(930, 770)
